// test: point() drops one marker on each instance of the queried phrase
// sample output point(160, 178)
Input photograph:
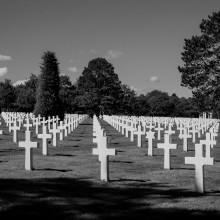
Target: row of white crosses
point(71, 121)
point(102, 149)
point(188, 128)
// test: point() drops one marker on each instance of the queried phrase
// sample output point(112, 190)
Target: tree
point(201, 70)
point(26, 94)
point(48, 100)
point(142, 108)
point(128, 101)
point(67, 94)
point(7, 95)
point(98, 88)
point(160, 104)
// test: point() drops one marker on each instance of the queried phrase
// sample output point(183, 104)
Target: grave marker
point(199, 161)
point(167, 146)
point(150, 137)
point(28, 145)
point(44, 136)
point(139, 133)
point(103, 152)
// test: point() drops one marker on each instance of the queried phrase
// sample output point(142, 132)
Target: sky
point(142, 39)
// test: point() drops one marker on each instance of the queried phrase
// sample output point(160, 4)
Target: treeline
point(98, 91)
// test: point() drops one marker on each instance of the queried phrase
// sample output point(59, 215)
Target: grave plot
point(67, 181)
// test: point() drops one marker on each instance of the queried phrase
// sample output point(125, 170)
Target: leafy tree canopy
point(201, 57)
point(99, 88)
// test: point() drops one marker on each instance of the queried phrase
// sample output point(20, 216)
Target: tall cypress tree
point(48, 101)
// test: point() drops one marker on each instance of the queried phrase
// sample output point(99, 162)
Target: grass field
point(66, 184)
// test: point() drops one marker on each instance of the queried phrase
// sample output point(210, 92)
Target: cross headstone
point(167, 146)
point(132, 129)
point(139, 133)
point(199, 161)
point(44, 136)
point(170, 132)
point(28, 145)
point(54, 131)
point(193, 131)
point(27, 125)
point(61, 127)
point(15, 129)
point(158, 129)
point(104, 154)
point(185, 137)
point(208, 142)
point(150, 137)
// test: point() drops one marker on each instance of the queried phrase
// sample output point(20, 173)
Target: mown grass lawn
point(66, 184)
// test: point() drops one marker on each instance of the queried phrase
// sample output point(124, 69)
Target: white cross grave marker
point(15, 129)
point(139, 133)
point(104, 154)
point(150, 137)
point(199, 161)
point(167, 146)
point(54, 131)
point(158, 129)
point(185, 137)
point(208, 142)
point(44, 136)
point(28, 145)
point(170, 132)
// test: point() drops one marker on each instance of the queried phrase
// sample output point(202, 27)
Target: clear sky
point(143, 39)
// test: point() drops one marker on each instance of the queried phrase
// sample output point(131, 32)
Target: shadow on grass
point(64, 155)
point(183, 168)
point(49, 169)
point(129, 180)
point(115, 161)
point(67, 198)
point(85, 124)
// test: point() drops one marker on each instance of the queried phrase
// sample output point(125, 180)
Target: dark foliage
point(48, 101)
point(7, 95)
point(98, 89)
point(201, 70)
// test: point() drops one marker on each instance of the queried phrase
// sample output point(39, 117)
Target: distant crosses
point(199, 161)
point(185, 137)
point(208, 142)
point(193, 131)
point(167, 146)
point(54, 131)
point(170, 132)
point(37, 123)
point(158, 129)
point(61, 127)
